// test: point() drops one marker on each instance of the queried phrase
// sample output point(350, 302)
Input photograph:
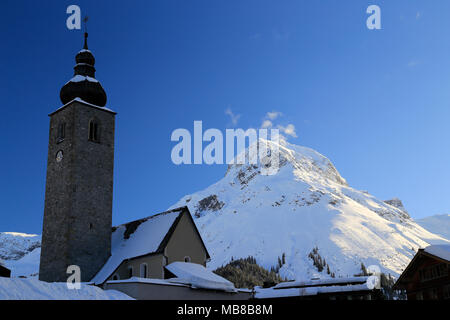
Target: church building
point(77, 228)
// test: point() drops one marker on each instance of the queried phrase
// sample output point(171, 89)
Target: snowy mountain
point(20, 252)
point(307, 204)
point(438, 224)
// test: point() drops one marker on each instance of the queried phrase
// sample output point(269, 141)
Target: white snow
point(79, 78)
point(438, 224)
point(167, 282)
point(27, 266)
point(442, 251)
point(309, 291)
point(15, 245)
point(318, 282)
point(84, 102)
point(33, 289)
point(306, 204)
point(199, 277)
point(190, 275)
point(146, 239)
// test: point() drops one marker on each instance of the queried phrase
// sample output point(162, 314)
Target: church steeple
point(83, 85)
point(80, 178)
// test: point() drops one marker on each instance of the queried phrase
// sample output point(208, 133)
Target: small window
point(94, 131)
point(446, 292)
point(61, 132)
point(130, 272)
point(187, 259)
point(144, 270)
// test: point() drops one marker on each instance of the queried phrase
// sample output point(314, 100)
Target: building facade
point(143, 248)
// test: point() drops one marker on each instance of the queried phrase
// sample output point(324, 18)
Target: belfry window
point(143, 270)
point(61, 132)
point(130, 272)
point(94, 131)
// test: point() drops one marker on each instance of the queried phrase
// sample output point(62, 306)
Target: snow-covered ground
point(306, 204)
point(27, 266)
point(20, 252)
point(33, 289)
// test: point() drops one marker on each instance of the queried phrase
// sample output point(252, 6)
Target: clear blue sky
point(377, 103)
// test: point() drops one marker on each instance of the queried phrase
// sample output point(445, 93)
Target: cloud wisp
point(233, 117)
point(268, 122)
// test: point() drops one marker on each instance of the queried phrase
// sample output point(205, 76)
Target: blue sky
point(377, 103)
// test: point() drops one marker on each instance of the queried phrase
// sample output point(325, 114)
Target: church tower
point(79, 188)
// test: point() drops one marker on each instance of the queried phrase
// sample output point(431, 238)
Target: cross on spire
point(85, 20)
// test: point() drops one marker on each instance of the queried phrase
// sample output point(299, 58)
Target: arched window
point(94, 131)
point(144, 270)
point(187, 259)
point(61, 132)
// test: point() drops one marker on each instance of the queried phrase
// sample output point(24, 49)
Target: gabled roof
point(140, 238)
point(439, 252)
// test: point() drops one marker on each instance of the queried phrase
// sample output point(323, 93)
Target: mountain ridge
point(306, 204)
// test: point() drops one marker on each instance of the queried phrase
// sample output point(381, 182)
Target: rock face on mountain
point(305, 206)
point(14, 245)
point(396, 202)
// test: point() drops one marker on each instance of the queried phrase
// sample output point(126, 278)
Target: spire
point(83, 85)
point(85, 41)
point(85, 20)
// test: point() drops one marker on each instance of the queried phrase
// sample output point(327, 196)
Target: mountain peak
point(304, 163)
point(397, 203)
point(305, 206)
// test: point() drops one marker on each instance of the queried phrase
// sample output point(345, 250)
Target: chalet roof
point(139, 238)
point(437, 251)
point(313, 287)
point(322, 282)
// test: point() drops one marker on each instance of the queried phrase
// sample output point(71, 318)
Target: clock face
point(59, 156)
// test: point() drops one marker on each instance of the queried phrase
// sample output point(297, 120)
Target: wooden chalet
point(427, 276)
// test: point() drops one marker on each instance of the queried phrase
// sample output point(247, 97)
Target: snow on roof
point(198, 277)
point(33, 289)
point(321, 282)
point(137, 238)
point(79, 78)
point(308, 291)
point(439, 250)
point(167, 282)
point(84, 102)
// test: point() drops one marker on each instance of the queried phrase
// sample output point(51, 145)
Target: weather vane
point(85, 20)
